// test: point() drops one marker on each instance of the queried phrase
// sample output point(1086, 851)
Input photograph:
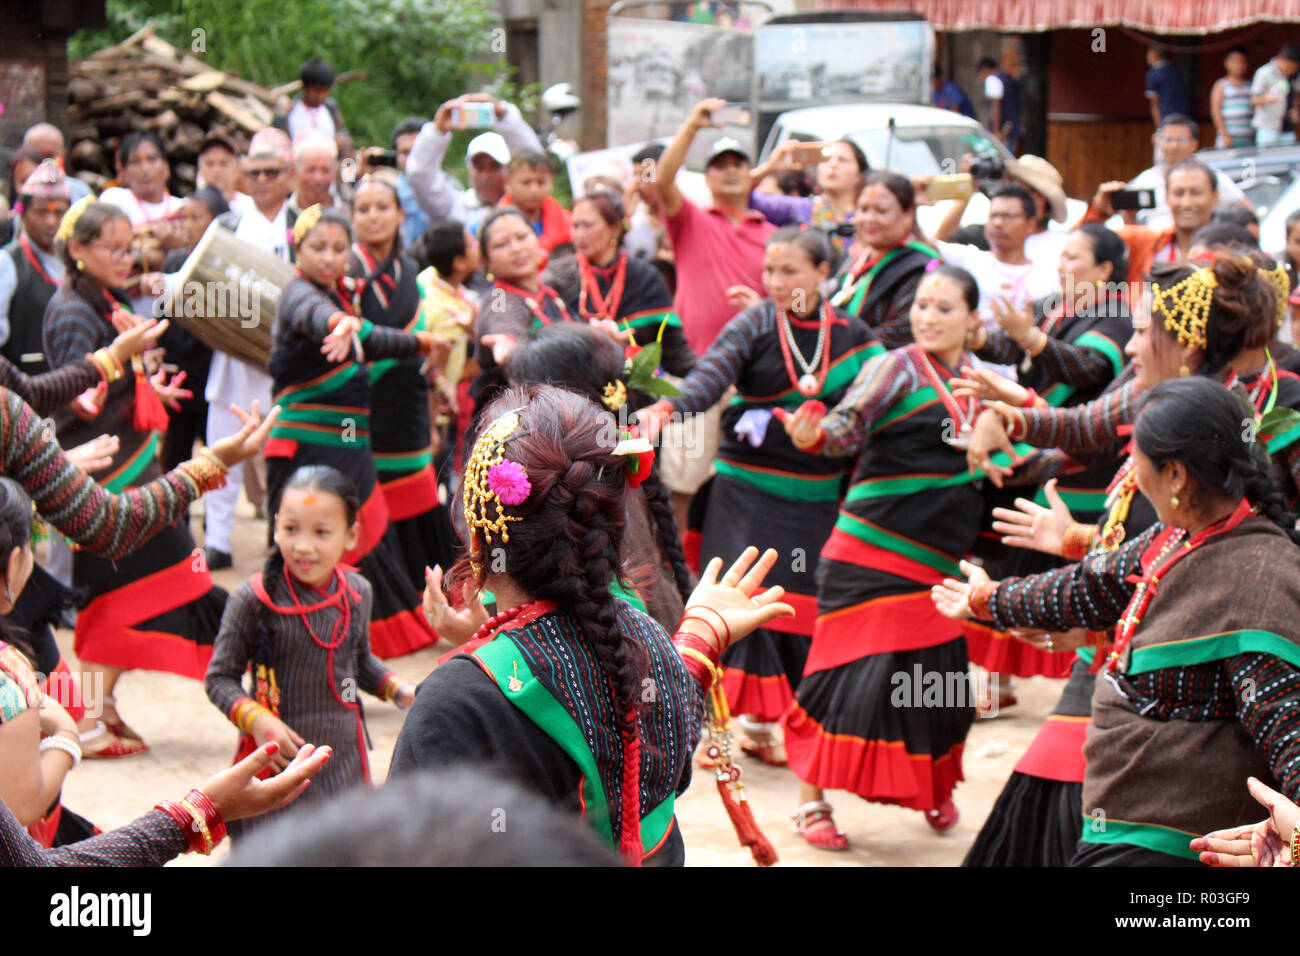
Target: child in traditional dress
point(302, 625)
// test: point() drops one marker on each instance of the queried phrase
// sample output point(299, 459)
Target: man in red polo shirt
point(715, 247)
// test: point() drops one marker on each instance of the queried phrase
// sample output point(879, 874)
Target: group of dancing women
point(1101, 517)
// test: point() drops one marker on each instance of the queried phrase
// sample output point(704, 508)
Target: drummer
point(267, 168)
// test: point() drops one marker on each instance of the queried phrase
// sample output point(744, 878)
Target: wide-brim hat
point(1041, 176)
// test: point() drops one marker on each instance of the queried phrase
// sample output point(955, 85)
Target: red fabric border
point(763, 697)
point(842, 546)
point(374, 522)
point(878, 770)
point(805, 615)
point(1056, 752)
point(403, 633)
point(1000, 653)
point(900, 622)
point(411, 495)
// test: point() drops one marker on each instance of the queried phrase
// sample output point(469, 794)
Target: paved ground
point(190, 741)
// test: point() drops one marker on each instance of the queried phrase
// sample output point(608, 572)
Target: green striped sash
point(509, 668)
point(322, 386)
point(854, 306)
point(1152, 836)
point(818, 488)
point(653, 319)
point(135, 466)
point(1079, 501)
point(1212, 647)
point(333, 425)
point(1095, 340)
point(403, 461)
point(841, 373)
point(880, 538)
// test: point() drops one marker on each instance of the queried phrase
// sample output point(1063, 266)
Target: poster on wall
point(659, 69)
point(818, 64)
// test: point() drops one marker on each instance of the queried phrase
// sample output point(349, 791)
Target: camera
point(842, 229)
point(988, 166)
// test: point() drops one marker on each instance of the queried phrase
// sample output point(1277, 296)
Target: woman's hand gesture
point(989, 386)
point(987, 437)
point(96, 454)
point(1030, 525)
point(952, 597)
point(248, 441)
point(237, 793)
point(733, 599)
point(135, 340)
point(456, 626)
point(338, 344)
point(805, 426)
point(1016, 322)
point(1267, 843)
point(170, 391)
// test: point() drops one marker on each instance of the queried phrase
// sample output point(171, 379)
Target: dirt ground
point(190, 740)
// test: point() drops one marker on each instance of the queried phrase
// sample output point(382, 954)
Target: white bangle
point(69, 747)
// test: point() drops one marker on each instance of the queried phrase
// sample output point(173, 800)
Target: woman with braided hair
point(1035, 821)
point(1201, 687)
point(588, 362)
point(572, 691)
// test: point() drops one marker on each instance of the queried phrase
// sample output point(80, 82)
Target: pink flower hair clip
point(509, 482)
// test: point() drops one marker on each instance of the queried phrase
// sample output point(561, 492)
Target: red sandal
point(814, 823)
point(944, 817)
point(119, 747)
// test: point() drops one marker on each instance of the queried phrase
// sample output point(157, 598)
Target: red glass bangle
point(697, 670)
point(704, 607)
point(216, 825)
point(717, 641)
point(184, 820)
point(684, 639)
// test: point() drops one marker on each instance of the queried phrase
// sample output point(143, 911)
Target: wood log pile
point(146, 83)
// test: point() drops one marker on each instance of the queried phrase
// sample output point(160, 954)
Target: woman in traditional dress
point(864, 718)
point(322, 385)
point(1035, 821)
point(1202, 683)
point(156, 609)
point(880, 280)
point(517, 302)
point(602, 282)
point(401, 436)
point(791, 348)
point(1067, 351)
point(572, 691)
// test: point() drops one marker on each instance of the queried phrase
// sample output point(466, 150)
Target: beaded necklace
point(1167, 545)
point(807, 383)
point(536, 300)
point(961, 417)
point(606, 307)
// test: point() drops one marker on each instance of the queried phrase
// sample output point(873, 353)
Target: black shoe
point(217, 559)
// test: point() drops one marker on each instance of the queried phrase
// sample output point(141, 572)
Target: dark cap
point(726, 145)
point(220, 139)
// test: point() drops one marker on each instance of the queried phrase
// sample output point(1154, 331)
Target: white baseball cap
point(491, 144)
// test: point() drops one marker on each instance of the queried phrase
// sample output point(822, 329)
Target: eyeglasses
point(264, 173)
point(120, 252)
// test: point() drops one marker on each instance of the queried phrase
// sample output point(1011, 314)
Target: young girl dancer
point(303, 625)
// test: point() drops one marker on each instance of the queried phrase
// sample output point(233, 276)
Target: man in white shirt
point(1270, 95)
point(1005, 271)
point(439, 194)
point(1177, 139)
point(314, 109)
point(268, 168)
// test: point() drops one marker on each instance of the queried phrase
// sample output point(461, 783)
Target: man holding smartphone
point(439, 194)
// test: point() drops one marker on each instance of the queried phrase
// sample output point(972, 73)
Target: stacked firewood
point(146, 83)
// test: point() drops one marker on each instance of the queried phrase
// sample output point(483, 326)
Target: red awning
point(1032, 16)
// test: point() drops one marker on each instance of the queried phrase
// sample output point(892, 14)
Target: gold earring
point(81, 266)
point(1174, 502)
point(1183, 370)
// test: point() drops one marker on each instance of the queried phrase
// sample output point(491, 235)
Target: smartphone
point(808, 154)
point(387, 158)
point(473, 115)
point(1124, 199)
point(732, 115)
point(954, 186)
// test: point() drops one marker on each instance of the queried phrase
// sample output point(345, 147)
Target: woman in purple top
point(839, 180)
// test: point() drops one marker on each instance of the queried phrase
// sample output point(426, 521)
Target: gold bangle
point(1295, 846)
point(702, 658)
point(206, 469)
point(1078, 540)
point(108, 365)
point(202, 824)
point(1035, 350)
point(210, 455)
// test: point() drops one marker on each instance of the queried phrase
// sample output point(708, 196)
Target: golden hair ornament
point(306, 222)
point(493, 482)
point(69, 220)
point(1277, 278)
point(615, 396)
point(1186, 306)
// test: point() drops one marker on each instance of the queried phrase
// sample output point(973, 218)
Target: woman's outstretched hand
point(1267, 843)
point(1030, 525)
point(237, 793)
point(248, 441)
point(952, 597)
point(733, 598)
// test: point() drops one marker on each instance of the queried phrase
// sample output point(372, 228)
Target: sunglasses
point(264, 173)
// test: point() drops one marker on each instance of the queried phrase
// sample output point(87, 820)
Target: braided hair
point(1206, 428)
point(565, 547)
point(577, 357)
